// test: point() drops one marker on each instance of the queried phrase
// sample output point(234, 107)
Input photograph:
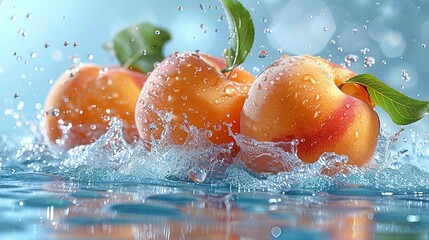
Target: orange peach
point(85, 98)
point(192, 87)
point(300, 98)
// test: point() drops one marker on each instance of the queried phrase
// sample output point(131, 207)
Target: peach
point(300, 98)
point(192, 87)
point(85, 98)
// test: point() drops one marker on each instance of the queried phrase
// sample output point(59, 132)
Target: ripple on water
point(178, 199)
point(43, 202)
point(87, 194)
point(152, 209)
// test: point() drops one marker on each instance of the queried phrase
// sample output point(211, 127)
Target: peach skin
point(84, 99)
point(300, 98)
point(192, 87)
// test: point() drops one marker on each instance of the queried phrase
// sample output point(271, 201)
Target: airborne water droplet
point(262, 54)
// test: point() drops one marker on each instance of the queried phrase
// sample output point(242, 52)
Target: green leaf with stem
point(140, 46)
point(402, 109)
point(242, 33)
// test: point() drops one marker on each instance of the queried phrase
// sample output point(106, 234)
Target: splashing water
point(112, 159)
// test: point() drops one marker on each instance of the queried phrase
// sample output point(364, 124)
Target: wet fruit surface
point(298, 98)
point(84, 99)
point(192, 88)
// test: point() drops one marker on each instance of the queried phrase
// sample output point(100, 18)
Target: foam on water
point(112, 159)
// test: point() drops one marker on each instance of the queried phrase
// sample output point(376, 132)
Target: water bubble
point(202, 26)
point(424, 45)
point(29, 16)
point(15, 95)
point(46, 45)
point(221, 18)
point(262, 54)
point(405, 75)
point(354, 30)
point(276, 232)
point(333, 42)
point(33, 55)
point(90, 57)
point(365, 26)
point(325, 29)
point(180, 8)
point(65, 43)
point(13, 18)
point(157, 32)
point(340, 49)
point(384, 62)
point(75, 44)
point(368, 61)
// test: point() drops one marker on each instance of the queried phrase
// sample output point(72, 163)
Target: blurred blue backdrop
point(389, 39)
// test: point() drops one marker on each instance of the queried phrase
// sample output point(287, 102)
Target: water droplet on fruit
point(54, 112)
point(317, 96)
point(217, 127)
point(230, 90)
point(317, 114)
point(357, 135)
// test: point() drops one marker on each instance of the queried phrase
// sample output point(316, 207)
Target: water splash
point(198, 160)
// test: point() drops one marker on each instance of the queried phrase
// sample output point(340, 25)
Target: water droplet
point(180, 8)
point(317, 114)
point(369, 61)
point(217, 127)
point(267, 30)
point(22, 32)
point(54, 112)
point(365, 50)
point(405, 75)
point(202, 7)
point(262, 54)
point(230, 90)
point(197, 174)
point(349, 59)
point(157, 32)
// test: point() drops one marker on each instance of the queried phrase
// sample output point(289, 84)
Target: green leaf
point(140, 46)
point(402, 109)
point(242, 33)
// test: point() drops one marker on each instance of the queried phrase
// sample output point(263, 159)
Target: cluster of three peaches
point(296, 97)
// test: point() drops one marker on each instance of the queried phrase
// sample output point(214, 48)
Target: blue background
point(394, 33)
